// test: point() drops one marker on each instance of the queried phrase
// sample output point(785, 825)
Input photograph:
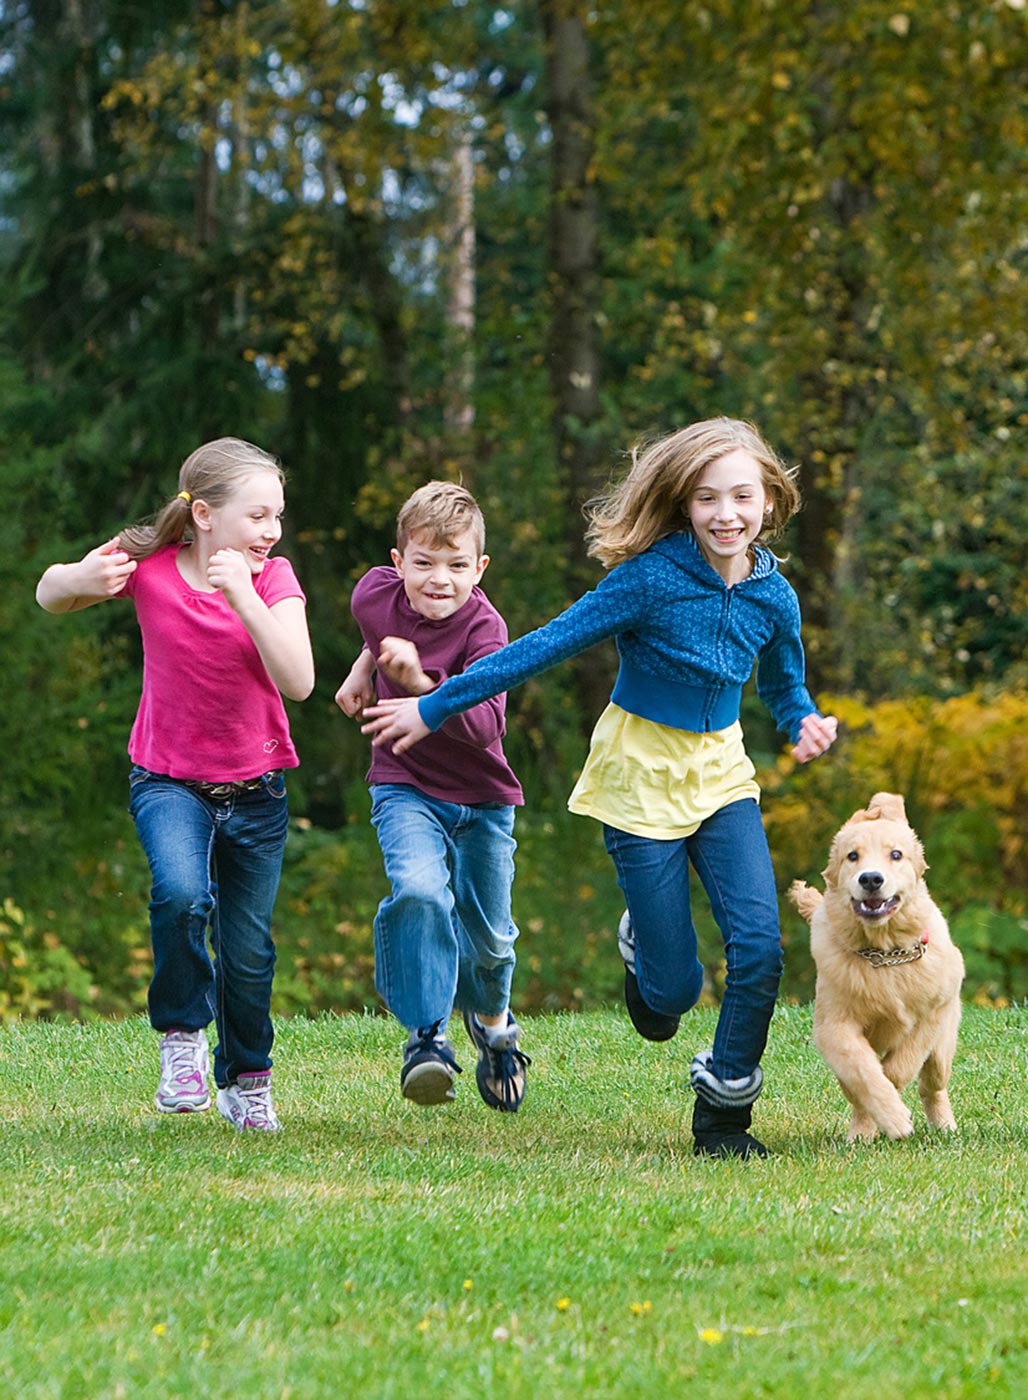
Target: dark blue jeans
point(214, 864)
point(730, 855)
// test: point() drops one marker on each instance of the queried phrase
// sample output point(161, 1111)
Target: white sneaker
point(247, 1103)
point(185, 1065)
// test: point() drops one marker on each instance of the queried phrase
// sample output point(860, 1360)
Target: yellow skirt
point(656, 781)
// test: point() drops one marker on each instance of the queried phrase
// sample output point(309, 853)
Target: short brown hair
point(443, 510)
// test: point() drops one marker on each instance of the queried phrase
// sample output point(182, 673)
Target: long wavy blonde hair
point(210, 474)
point(653, 499)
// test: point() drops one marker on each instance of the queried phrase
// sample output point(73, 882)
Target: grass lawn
point(375, 1249)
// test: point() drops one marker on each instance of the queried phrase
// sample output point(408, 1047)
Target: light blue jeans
point(444, 936)
point(730, 854)
point(213, 864)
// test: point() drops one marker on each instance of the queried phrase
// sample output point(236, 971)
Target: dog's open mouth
point(874, 908)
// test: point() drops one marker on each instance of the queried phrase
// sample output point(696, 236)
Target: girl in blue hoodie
point(693, 600)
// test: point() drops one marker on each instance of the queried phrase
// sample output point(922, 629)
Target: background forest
point(392, 240)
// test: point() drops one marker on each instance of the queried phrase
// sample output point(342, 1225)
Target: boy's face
point(438, 578)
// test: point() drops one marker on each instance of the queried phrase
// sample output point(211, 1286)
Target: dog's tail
point(805, 898)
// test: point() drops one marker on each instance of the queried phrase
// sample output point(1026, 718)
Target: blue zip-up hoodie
point(686, 641)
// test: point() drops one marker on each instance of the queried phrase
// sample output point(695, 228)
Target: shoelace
point(182, 1061)
point(259, 1108)
point(428, 1040)
point(505, 1064)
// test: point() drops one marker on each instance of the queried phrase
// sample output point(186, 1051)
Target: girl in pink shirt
point(225, 636)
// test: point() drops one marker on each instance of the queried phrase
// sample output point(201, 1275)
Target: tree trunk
point(459, 407)
point(574, 350)
point(574, 354)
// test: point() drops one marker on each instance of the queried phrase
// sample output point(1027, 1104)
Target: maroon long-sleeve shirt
point(464, 760)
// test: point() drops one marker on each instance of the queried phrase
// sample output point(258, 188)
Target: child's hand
point(817, 735)
point(395, 724)
point(400, 661)
point(229, 572)
point(98, 575)
point(105, 570)
point(355, 695)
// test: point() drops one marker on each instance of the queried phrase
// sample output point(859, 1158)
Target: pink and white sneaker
point(247, 1103)
point(185, 1064)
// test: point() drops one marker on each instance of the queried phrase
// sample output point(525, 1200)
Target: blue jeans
point(444, 937)
point(730, 854)
point(213, 863)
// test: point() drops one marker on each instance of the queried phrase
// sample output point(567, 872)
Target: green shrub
point(39, 976)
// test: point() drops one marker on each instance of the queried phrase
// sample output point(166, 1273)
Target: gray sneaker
point(429, 1067)
point(185, 1064)
point(500, 1072)
point(247, 1103)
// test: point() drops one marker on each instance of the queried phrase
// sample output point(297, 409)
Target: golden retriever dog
point(887, 998)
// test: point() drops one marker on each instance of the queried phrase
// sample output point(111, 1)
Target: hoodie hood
point(681, 548)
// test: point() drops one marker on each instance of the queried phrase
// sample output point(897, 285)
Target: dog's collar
point(894, 957)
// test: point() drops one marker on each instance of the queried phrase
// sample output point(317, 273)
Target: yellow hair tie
point(184, 496)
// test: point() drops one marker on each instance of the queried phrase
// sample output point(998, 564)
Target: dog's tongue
point(873, 903)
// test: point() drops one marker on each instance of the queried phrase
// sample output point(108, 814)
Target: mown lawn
point(575, 1249)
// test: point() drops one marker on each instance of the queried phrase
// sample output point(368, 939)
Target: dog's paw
point(863, 1128)
point(938, 1112)
point(899, 1125)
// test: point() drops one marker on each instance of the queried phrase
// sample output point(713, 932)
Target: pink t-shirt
point(209, 711)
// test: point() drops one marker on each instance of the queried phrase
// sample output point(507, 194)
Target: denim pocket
point(138, 775)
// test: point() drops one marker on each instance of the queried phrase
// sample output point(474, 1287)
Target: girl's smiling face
point(727, 510)
point(250, 520)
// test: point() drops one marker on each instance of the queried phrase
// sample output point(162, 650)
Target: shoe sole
point(650, 1024)
point(428, 1084)
point(183, 1107)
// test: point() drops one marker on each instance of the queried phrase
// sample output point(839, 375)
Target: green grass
point(575, 1249)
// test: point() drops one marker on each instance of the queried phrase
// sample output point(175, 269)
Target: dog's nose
point(871, 881)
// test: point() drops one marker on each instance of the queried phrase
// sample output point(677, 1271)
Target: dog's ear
point(830, 874)
point(888, 805)
point(917, 859)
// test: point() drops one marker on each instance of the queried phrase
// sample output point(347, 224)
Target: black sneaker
point(500, 1072)
point(429, 1067)
point(651, 1025)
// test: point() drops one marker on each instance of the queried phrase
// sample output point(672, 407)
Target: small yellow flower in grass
point(467, 1285)
point(638, 1309)
point(563, 1304)
point(159, 1329)
point(712, 1335)
point(424, 1325)
point(348, 1286)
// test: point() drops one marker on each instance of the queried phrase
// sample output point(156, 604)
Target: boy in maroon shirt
point(443, 812)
